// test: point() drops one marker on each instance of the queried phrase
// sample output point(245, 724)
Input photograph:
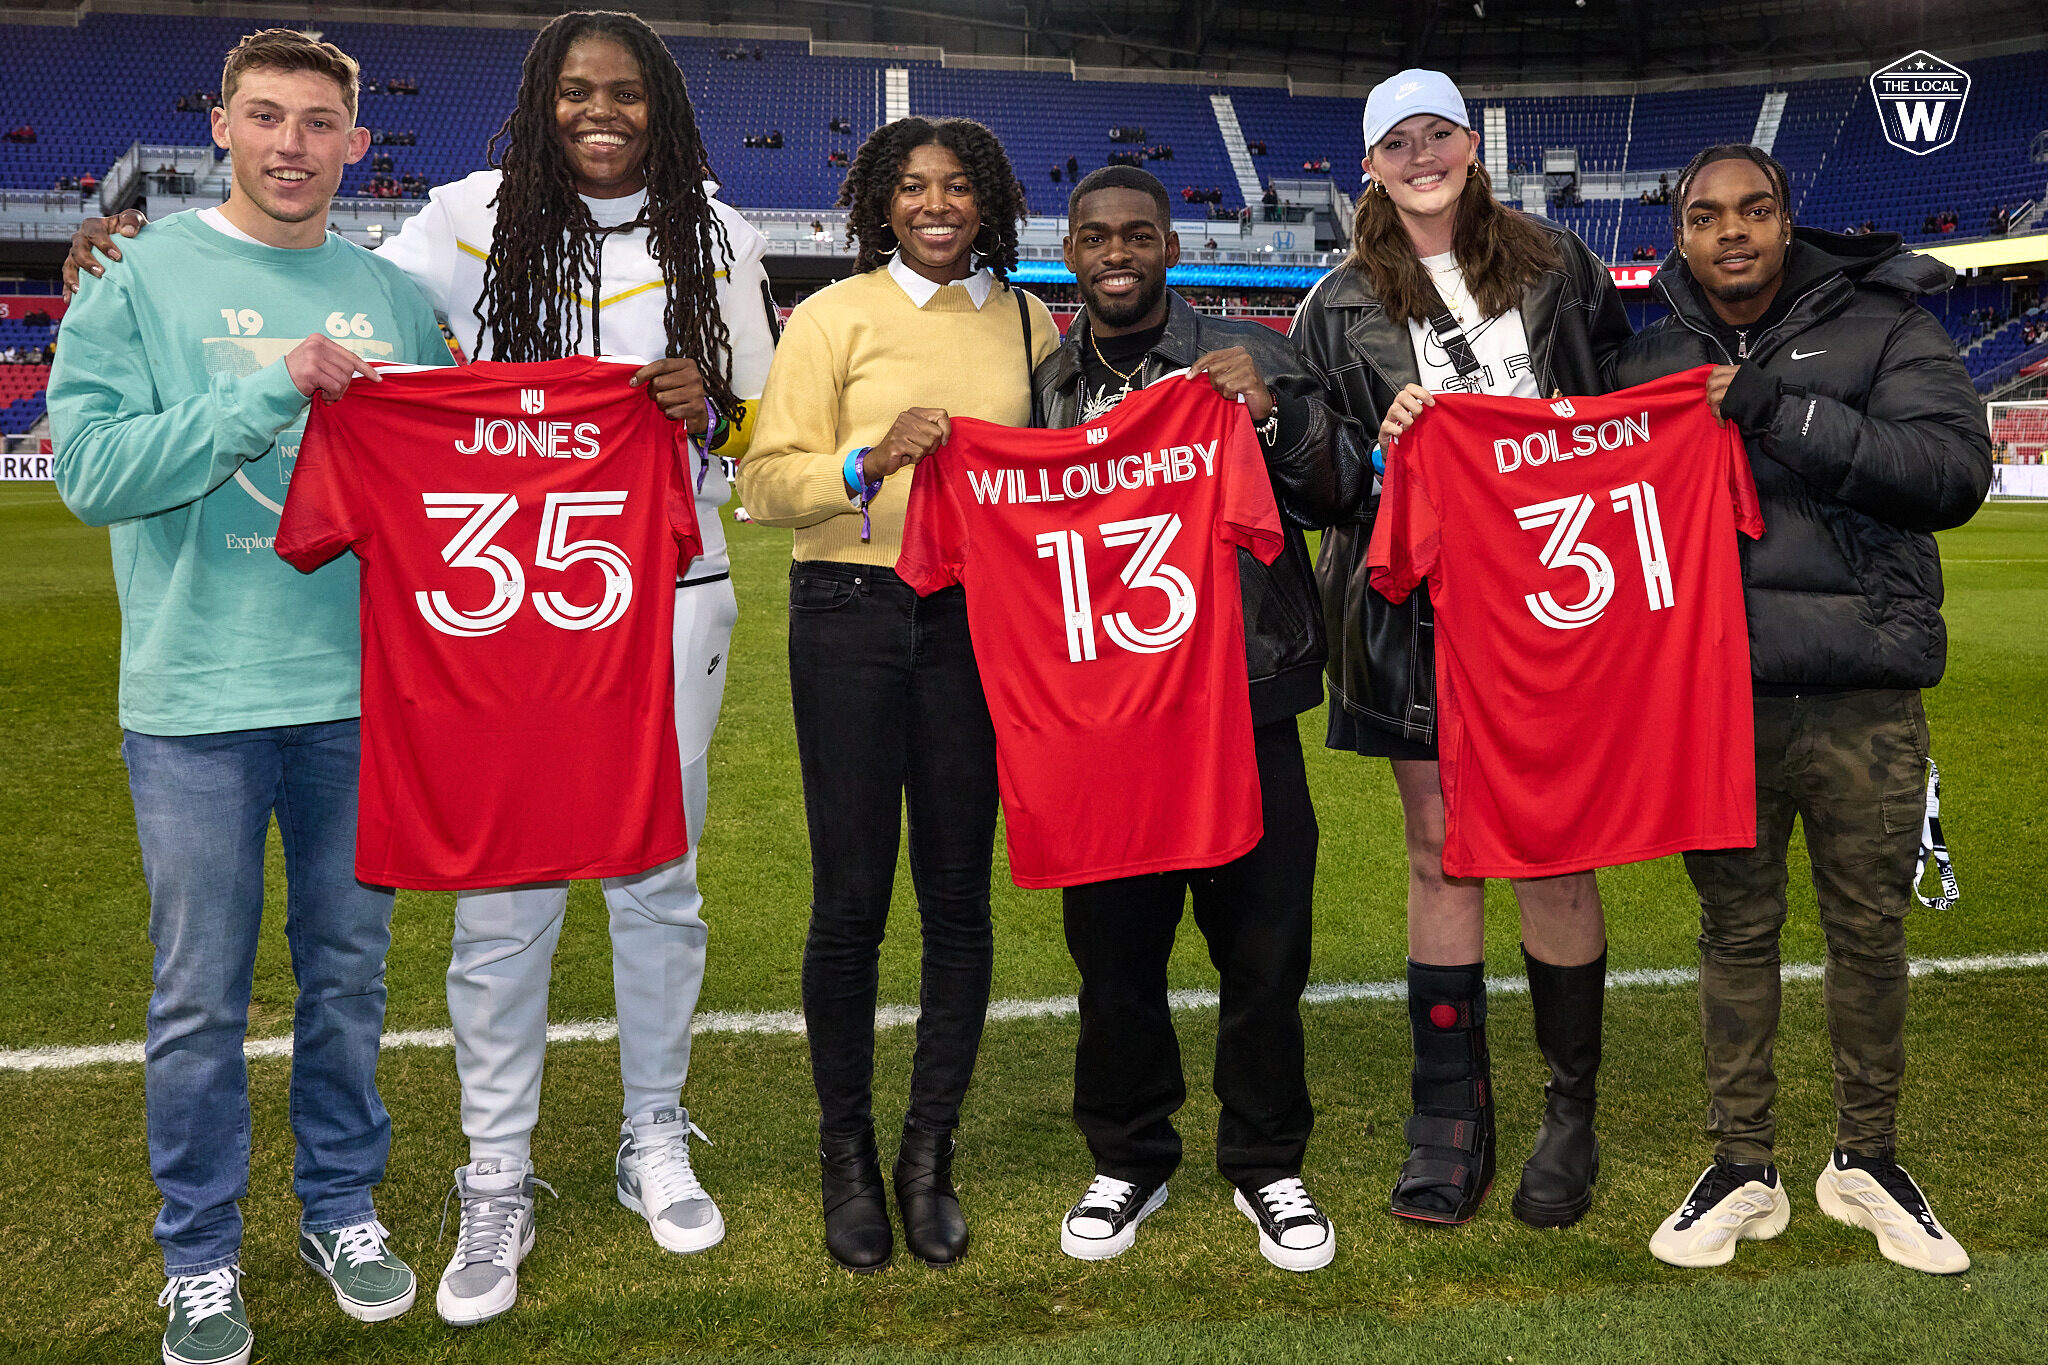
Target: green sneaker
point(370, 1282)
point(209, 1324)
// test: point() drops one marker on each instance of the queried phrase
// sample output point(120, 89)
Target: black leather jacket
point(1319, 469)
point(1384, 669)
point(1865, 436)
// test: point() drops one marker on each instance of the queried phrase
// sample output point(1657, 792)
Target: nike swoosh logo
point(1807, 355)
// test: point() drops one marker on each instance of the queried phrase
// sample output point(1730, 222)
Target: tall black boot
point(1450, 1136)
point(933, 1227)
point(857, 1231)
point(1557, 1181)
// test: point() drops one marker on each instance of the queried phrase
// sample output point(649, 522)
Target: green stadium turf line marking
point(999, 1011)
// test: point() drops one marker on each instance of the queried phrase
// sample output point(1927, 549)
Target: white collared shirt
point(979, 285)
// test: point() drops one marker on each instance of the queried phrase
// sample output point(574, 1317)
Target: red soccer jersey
point(1100, 564)
point(1592, 658)
point(520, 529)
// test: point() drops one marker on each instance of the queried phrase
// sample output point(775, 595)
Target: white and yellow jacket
point(444, 247)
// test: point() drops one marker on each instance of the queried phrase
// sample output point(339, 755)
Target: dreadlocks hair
point(546, 244)
point(871, 186)
point(1501, 252)
point(1781, 185)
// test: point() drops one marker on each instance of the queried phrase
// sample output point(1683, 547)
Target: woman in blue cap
point(1448, 290)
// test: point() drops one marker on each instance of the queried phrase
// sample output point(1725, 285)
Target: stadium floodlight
point(2019, 448)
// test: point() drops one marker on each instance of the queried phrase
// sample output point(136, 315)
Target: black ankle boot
point(1450, 1136)
point(1557, 1181)
point(857, 1231)
point(933, 1227)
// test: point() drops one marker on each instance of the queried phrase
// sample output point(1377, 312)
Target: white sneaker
point(1730, 1203)
point(493, 1237)
point(1875, 1193)
point(656, 1182)
point(1294, 1234)
point(1105, 1222)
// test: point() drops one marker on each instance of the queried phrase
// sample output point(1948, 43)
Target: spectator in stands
point(25, 133)
point(151, 413)
point(1074, 169)
point(1271, 200)
point(818, 233)
point(867, 377)
point(836, 157)
point(839, 124)
point(1866, 438)
point(1539, 315)
point(1256, 911)
point(1055, 173)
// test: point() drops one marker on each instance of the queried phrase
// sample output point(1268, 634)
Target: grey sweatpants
point(504, 944)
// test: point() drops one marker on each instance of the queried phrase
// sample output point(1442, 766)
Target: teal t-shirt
point(177, 424)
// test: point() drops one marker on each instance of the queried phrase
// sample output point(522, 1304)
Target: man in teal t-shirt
point(179, 394)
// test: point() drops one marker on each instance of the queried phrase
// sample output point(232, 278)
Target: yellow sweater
point(855, 354)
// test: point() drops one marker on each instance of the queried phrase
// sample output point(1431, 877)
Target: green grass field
point(77, 973)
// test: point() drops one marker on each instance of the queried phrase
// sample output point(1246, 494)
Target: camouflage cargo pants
point(1850, 767)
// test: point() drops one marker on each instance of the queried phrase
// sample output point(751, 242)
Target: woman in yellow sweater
point(888, 701)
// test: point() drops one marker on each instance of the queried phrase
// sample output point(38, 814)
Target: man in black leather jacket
point(1256, 911)
point(1866, 437)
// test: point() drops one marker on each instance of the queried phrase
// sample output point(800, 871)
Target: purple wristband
point(703, 443)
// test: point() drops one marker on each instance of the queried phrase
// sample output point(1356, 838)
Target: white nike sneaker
point(656, 1182)
point(495, 1234)
point(1875, 1193)
point(1730, 1203)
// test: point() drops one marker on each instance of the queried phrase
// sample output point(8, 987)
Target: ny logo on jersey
point(1562, 407)
point(534, 400)
point(1097, 435)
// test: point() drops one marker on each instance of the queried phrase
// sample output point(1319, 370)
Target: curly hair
point(1781, 184)
point(546, 244)
point(871, 186)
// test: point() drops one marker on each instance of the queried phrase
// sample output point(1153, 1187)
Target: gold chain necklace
point(1127, 378)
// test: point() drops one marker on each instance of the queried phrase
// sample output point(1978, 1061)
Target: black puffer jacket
point(1384, 672)
point(1866, 437)
point(1318, 466)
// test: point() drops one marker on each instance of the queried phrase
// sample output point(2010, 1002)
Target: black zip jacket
point(1384, 670)
point(1865, 436)
point(1318, 466)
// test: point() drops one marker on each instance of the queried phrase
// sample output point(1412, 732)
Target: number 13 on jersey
point(1146, 568)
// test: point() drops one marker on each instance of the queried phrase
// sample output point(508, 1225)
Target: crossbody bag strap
point(1030, 385)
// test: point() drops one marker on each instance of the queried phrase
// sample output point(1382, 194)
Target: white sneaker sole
point(1103, 1248)
point(681, 1241)
point(1853, 1207)
point(1759, 1228)
point(469, 1312)
point(356, 1308)
point(1298, 1259)
point(239, 1358)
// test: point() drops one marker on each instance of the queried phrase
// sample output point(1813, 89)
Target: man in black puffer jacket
point(1866, 437)
point(1255, 911)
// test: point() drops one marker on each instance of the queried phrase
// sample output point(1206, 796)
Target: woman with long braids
point(1448, 290)
point(887, 699)
point(597, 234)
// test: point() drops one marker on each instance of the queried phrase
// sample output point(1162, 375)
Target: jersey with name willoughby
point(520, 530)
point(1591, 653)
point(1100, 564)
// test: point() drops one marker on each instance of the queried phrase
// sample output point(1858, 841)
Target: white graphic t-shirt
point(1499, 344)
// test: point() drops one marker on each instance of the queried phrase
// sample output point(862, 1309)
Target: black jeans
point(858, 636)
point(1257, 914)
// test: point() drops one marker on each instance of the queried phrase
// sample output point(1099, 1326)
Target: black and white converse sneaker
point(1105, 1222)
point(1729, 1203)
point(1876, 1194)
point(1293, 1233)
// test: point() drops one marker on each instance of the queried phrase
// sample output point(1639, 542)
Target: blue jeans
point(203, 805)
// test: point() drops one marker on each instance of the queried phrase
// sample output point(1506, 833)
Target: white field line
point(786, 1022)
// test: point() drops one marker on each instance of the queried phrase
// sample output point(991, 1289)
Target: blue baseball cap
point(1405, 94)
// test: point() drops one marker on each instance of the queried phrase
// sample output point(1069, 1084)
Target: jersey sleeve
point(1406, 533)
point(323, 510)
point(1250, 516)
point(934, 550)
point(1749, 511)
point(682, 497)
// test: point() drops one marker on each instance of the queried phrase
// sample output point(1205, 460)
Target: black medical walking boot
point(1557, 1180)
point(1450, 1135)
